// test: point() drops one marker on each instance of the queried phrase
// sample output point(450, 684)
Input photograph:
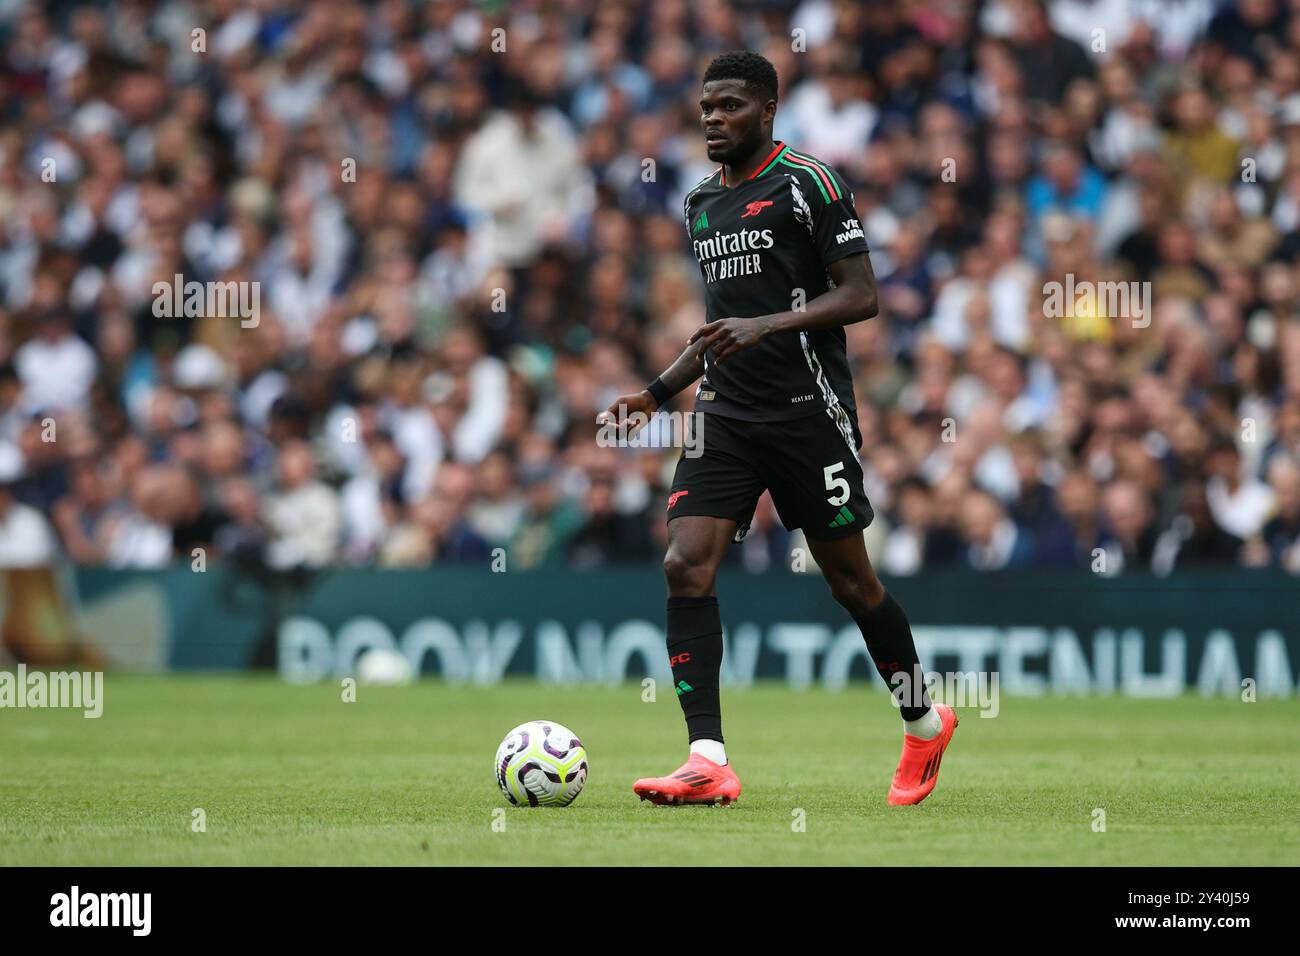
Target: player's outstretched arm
point(852, 300)
point(688, 367)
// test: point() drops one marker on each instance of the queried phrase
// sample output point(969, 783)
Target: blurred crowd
point(464, 222)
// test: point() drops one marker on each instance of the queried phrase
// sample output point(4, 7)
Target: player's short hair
point(753, 70)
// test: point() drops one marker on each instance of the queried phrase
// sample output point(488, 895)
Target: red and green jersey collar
point(773, 158)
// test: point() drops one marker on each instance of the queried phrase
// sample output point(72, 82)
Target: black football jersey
point(764, 246)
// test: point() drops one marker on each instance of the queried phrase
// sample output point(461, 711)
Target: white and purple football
point(541, 764)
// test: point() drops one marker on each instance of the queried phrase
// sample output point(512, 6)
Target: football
point(384, 667)
point(541, 764)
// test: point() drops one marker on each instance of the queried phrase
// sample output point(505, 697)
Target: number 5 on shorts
point(833, 483)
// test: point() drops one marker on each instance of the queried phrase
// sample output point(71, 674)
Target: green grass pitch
point(294, 775)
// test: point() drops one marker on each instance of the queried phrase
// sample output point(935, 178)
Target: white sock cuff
point(927, 727)
point(710, 750)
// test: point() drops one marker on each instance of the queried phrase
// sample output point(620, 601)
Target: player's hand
point(624, 407)
point(727, 336)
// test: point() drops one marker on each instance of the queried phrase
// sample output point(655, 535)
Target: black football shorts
point(810, 465)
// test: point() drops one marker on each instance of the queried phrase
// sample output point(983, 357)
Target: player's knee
point(851, 593)
point(686, 576)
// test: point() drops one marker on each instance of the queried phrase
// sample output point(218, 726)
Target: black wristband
point(659, 391)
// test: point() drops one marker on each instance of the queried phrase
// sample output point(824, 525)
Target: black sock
point(890, 644)
point(695, 655)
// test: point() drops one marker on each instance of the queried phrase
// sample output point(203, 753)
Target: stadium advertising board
point(1031, 633)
